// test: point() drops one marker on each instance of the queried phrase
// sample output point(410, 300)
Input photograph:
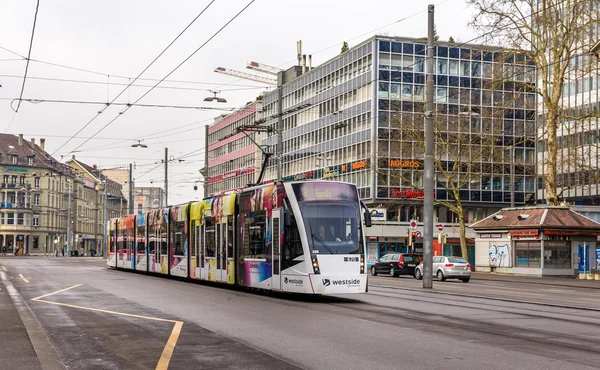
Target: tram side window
point(163, 240)
point(141, 239)
point(130, 240)
point(254, 246)
point(210, 238)
point(193, 233)
point(113, 240)
point(292, 244)
point(151, 239)
point(178, 229)
point(230, 237)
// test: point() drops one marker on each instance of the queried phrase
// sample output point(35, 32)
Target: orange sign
point(404, 164)
point(359, 165)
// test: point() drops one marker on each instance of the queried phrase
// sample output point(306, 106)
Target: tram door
point(276, 248)
point(221, 271)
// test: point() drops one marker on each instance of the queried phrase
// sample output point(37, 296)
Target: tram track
point(528, 340)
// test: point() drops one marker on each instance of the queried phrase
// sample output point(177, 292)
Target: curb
point(45, 351)
point(534, 280)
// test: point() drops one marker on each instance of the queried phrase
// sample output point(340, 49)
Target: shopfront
point(537, 241)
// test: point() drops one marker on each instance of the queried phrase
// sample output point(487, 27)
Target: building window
point(13, 159)
point(36, 220)
point(20, 219)
point(36, 182)
point(10, 218)
point(13, 179)
point(36, 242)
point(557, 254)
point(36, 199)
point(30, 161)
point(528, 254)
point(22, 180)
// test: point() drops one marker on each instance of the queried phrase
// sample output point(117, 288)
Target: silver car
point(447, 268)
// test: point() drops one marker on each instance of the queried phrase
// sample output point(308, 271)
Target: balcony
point(9, 185)
point(14, 205)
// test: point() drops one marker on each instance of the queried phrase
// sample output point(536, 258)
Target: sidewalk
point(17, 350)
point(567, 281)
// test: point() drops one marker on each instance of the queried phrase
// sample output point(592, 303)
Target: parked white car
point(447, 268)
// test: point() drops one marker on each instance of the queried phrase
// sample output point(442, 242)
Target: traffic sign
point(413, 225)
point(440, 227)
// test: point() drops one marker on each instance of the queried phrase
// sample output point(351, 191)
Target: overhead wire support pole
point(130, 188)
point(166, 177)
point(429, 170)
point(279, 129)
point(105, 224)
point(69, 219)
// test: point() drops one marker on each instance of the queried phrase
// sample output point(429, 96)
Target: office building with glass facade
point(359, 118)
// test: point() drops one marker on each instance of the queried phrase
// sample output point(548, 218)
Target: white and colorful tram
point(300, 237)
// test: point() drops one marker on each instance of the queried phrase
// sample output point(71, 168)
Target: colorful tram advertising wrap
point(300, 237)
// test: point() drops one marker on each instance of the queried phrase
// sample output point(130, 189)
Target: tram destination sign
point(324, 191)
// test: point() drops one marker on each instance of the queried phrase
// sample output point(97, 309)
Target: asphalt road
point(96, 318)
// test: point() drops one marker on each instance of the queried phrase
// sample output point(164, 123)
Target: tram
point(299, 237)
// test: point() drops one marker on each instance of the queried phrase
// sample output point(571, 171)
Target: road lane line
point(165, 357)
point(515, 292)
point(23, 277)
point(58, 291)
point(167, 353)
point(4, 268)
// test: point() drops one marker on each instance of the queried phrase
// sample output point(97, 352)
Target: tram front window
point(333, 228)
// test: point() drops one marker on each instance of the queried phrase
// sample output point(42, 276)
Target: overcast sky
point(118, 39)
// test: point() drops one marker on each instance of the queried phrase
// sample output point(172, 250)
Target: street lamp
point(139, 144)
point(215, 98)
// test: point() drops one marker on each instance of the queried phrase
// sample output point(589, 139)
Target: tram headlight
point(362, 263)
point(315, 265)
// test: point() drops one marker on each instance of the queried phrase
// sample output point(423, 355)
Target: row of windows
point(14, 159)
point(334, 78)
point(246, 161)
point(232, 183)
point(321, 159)
point(231, 128)
point(232, 146)
point(453, 52)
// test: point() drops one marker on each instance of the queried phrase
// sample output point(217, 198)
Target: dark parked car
point(395, 264)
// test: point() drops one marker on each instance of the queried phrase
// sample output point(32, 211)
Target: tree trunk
point(463, 236)
point(550, 165)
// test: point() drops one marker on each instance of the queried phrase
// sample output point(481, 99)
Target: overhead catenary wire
point(135, 79)
point(103, 83)
point(37, 101)
point(37, 7)
point(170, 73)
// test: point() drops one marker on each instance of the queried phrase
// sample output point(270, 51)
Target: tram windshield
point(332, 227)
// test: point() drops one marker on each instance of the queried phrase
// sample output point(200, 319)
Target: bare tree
point(557, 34)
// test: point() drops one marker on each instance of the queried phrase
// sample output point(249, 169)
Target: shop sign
point(303, 176)
point(89, 183)
point(490, 236)
point(398, 163)
point(359, 165)
point(378, 214)
point(400, 193)
point(230, 175)
point(329, 172)
point(16, 169)
point(525, 232)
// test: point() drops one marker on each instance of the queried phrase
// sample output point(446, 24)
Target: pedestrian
point(56, 253)
point(4, 249)
point(16, 251)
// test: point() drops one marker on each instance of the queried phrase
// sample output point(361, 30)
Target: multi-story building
point(94, 199)
point(354, 119)
point(146, 198)
point(33, 217)
point(233, 157)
